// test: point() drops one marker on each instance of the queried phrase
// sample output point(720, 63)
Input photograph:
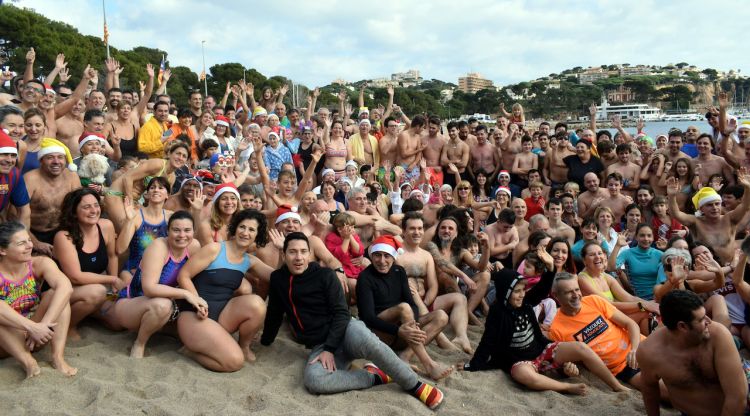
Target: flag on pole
point(202, 76)
point(162, 68)
point(106, 33)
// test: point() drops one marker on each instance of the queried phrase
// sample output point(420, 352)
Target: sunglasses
point(463, 189)
point(64, 95)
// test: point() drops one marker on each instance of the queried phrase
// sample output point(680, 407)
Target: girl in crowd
point(327, 192)
point(641, 262)
point(30, 318)
point(123, 129)
point(93, 270)
point(147, 304)
point(132, 183)
point(214, 273)
point(203, 122)
point(344, 243)
point(688, 180)
point(502, 199)
point(594, 280)
point(225, 203)
point(34, 124)
point(604, 220)
point(630, 221)
point(144, 225)
point(590, 233)
point(336, 150)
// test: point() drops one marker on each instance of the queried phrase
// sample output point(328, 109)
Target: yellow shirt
point(149, 139)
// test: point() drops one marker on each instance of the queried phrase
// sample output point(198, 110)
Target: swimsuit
point(128, 147)
point(216, 284)
point(97, 261)
point(143, 237)
point(22, 296)
point(163, 170)
point(607, 295)
point(168, 276)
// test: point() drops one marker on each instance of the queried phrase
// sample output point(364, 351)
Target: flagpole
point(165, 87)
point(106, 35)
point(205, 75)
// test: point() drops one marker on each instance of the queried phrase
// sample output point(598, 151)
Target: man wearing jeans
point(313, 299)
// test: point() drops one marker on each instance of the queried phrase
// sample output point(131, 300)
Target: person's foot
point(428, 394)
point(579, 389)
point(620, 387)
point(137, 350)
point(60, 365)
point(439, 371)
point(249, 354)
point(73, 334)
point(464, 344)
point(443, 342)
point(32, 368)
point(380, 376)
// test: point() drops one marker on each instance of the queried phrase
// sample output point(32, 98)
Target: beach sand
point(167, 383)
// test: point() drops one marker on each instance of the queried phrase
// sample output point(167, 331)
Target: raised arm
point(28, 73)
point(389, 107)
point(78, 94)
point(361, 98)
point(592, 117)
point(163, 86)
point(673, 188)
point(60, 64)
point(140, 108)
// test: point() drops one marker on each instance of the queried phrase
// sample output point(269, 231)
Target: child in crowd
point(344, 243)
point(534, 203)
point(664, 226)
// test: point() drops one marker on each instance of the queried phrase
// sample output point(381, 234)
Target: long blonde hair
point(469, 197)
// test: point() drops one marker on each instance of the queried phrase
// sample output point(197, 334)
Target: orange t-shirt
point(593, 326)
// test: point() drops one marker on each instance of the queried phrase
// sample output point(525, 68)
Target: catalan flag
point(162, 68)
point(106, 33)
point(202, 76)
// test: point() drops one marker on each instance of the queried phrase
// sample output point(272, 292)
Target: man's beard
point(445, 242)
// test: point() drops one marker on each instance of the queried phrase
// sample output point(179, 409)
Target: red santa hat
point(49, 89)
point(224, 188)
point(387, 244)
point(285, 212)
point(7, 145)
point(222, 121)
point(89, 136)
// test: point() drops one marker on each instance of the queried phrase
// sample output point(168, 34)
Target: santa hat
point(222, 121)
point(744, 125)
point(386, 244)
point(49, 89)
point(284, 212)
point(89, 136)
point(502, 189)
point(53, 146)
point(352, 163)
point(191, 178)
point(327, 171)
point(704, 196)
point(365, 121)
point(364, 110)
point(7, 145)
point(224, 188)
point(503, 173)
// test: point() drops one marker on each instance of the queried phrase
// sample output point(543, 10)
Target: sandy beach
point(167, 383)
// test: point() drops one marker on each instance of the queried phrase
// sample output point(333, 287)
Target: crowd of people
point(566, 246)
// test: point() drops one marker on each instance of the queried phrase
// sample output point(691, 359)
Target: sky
point(507, 41)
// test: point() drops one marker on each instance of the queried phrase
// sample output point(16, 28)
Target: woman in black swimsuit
point(126, 127)
point(93, 271)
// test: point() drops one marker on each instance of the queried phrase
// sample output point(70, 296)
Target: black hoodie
point(313, 301)
point(495, 350)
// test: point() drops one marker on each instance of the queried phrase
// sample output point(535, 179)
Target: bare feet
point(249, 354)
point(32, 368)
point(73, 334)
point(620, 387)
point(464, 344)
point(137, 350)
point(60, 365)
point(474, 321)
point(440, 371)
point(579, 389)
point(443, 342)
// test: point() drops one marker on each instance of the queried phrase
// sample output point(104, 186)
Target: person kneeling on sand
point(313, 299)
point(29, 319)
point(386, 306)
point(513, 341)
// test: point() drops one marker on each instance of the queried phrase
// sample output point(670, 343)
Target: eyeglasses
point(31, 88)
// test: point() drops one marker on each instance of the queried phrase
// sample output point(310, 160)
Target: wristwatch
point(339, 270)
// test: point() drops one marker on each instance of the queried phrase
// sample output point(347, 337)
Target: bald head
point(591, 182)
point(538, 222)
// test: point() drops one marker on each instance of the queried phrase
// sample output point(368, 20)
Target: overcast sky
point(506, 41)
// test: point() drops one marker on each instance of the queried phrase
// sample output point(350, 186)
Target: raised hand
point(317, 154)
point(64, 74)
point(236, 90)
point(142, 86)
point(276, 238)
point(89, 73)
point(452, 168)
point(342, 95)
point(284, 89)
point(60, 61)
point(166, 75)
point(316, 92)
point(592, 110)
point(622, 239)
point(673, 186)
point(30, 56)
point(723, 99)
point(743, 177)
point(348, 110)
point(110, 64)
point(390, 90)
point(119, 69)
point(640, 124)
point(616, 122)
point(229, 87)
point(250, 89)
point(150, 70)
point(5, 76)
point(196, 204)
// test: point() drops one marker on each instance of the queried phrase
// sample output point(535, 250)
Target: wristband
point(339, 270)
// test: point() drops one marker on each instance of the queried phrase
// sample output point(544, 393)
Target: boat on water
point(605, 111)
point(682, 117)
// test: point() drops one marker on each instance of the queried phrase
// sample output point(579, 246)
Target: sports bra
point(607, 295)
point(22, 296)
point(97, 261)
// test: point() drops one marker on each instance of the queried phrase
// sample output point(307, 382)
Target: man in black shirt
point(313, 300)
point(385, 305)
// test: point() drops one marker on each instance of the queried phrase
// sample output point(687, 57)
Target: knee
point(406, 313)
point(459, 299)
point(232, 362)
point(483, 278)
point(314, 379)
point(160, 307)
point(93, 293)
point(582, 349)
point(441, 317)
point(256, 305)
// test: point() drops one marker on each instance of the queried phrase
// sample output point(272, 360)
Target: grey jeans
point(358, 342)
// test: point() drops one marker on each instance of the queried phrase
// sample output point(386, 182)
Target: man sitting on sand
point(313, 300)
point(695, 357)
point(513, 340)
point(386, 306)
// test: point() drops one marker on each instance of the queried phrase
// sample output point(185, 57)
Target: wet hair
point(451, 125)
point(418, 121)
point(536, 237)
point(413, 215)
point(179, 215)
point(479, 128)
point(734, 190)
point(178, 144)
point(605, 147)
point(261, 237)
point(295, 236)
point(125, 160)
point(90, 114)
point(412, 205)
point(68, 216)
point(31, 112)
point(7, 110)
point(7, 230)
point(678, 306)
point(507, 216)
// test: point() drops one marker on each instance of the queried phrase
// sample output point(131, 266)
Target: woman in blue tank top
point(146, 305)
point(214, 274)
point(143, 226)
